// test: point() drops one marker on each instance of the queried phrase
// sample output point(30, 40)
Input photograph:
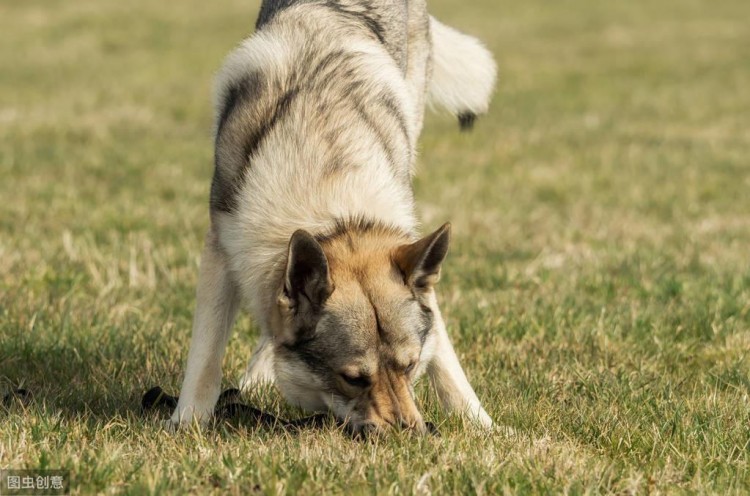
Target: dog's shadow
point(59, 378)
point(93, 384)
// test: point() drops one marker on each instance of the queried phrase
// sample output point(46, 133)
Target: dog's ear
point(307, 280)
point(420, 261)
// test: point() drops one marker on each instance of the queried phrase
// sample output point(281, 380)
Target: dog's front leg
point(448, 377)
point(216, 308)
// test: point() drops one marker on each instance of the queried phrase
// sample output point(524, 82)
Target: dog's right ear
point(307, 282)
point(420, 261)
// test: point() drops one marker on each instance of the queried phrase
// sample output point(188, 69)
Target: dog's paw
point(481, 420)
point(170, 426)
point(184, 422)
point(185, 416)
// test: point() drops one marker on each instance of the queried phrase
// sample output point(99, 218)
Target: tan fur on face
point(382, 321)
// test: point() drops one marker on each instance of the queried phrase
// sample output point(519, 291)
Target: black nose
point(362, 431)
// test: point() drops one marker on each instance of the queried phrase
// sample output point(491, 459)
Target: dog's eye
point(358, 381)
point(408, 370)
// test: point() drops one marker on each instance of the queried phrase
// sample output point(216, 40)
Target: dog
point(313, 227)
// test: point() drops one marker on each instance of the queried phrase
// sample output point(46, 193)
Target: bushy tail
point(463, 74)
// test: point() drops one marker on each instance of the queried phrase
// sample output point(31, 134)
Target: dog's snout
point(390, 404)
point(370, 428)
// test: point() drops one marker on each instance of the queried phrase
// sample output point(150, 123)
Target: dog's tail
point(463, 74)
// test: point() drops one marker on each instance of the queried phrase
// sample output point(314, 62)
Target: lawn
point(597, 289)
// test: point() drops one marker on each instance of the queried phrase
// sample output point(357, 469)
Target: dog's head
point(354, 324)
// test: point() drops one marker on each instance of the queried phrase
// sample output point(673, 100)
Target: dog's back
point(315, 91)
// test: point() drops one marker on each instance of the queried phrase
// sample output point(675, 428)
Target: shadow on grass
point(73, 379)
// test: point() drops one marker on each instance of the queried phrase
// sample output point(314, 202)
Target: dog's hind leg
point(449, 380)
point(260, 368)
point(463, 73)
point(216, 308)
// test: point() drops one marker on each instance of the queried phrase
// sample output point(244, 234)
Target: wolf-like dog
point(313, 226)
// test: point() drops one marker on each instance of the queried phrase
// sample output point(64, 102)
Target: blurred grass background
point(598, 287)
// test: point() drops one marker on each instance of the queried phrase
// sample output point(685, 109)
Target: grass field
point(597, 291)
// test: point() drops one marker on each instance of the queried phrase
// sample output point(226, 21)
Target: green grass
point(597, 291)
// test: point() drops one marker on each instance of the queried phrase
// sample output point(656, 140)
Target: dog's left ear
point(420, 261)
point(307, 280)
